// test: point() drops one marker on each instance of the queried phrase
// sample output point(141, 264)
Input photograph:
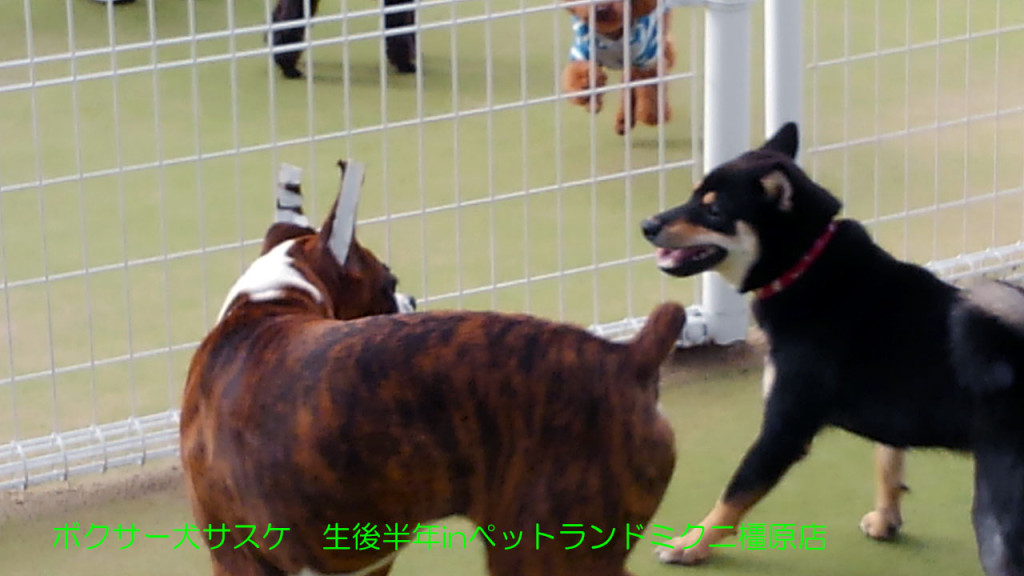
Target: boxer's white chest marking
point(267, 278)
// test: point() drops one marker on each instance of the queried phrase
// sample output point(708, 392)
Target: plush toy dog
point(599, 38)
point(400, 48)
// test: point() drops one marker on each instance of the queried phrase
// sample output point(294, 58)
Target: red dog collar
point(790, 276)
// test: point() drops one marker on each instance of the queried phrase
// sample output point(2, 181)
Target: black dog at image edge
point(988, 352)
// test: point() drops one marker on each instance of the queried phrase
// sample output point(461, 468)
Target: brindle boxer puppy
point(297, 420)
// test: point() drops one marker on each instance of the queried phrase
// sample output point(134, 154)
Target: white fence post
point(783, 63)
point(726, 134)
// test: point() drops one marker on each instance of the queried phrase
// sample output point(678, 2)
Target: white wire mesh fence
point(917, 116)
point(138, 149)
point(139, 145)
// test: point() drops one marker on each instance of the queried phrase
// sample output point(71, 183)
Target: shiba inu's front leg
point(785, 438)
point(884, 522)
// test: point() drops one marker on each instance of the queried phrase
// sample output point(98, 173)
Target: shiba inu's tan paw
point(881, 524)
point(686, 550)
point(694, 547)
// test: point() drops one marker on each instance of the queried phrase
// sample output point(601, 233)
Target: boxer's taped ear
point(289, 196)
point(343, 227)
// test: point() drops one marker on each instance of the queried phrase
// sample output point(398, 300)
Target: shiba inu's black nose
point(651, 227)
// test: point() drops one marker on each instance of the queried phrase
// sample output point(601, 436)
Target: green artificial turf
point(715, 412)
point(475, 256)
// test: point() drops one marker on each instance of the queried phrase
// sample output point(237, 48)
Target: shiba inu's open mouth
point(689, 260)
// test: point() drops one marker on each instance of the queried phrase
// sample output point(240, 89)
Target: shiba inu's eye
point(712, 210)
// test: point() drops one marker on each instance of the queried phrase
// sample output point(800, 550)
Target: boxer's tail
point(657, 338)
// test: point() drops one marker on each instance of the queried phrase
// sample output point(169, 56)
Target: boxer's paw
point(688, 550)
point(881, 524)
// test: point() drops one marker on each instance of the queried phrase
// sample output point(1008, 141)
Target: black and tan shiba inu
point(857, 339)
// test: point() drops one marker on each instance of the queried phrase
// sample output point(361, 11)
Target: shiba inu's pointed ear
point(289, 196)
point(789, 187)
point(786, 140)
point(339, 228)
point(778, 188)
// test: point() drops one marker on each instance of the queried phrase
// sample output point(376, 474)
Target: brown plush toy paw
point(576, 77)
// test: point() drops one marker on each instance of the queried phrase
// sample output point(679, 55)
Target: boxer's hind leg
point(589, 530)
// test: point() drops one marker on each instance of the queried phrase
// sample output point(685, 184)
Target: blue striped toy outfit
point(643, 44)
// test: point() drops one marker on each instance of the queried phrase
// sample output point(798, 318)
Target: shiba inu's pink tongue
point(675, 257)
point(670, 257)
